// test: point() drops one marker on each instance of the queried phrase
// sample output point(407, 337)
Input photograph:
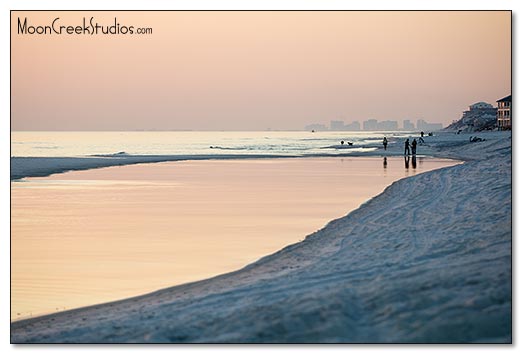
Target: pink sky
point(257, 70)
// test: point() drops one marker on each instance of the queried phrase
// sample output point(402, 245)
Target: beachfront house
point(504, 113)
point(479, 110)
point(480, 116)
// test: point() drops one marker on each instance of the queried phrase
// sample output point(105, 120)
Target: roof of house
point(481, 104)
point(507, 98)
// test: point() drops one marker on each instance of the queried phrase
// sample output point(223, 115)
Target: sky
point(256, 70)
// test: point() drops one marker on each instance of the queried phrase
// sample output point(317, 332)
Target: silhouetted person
point(407, 162)
point(414, 161)
point(407, 147)
point(385, 162)
point(342, 142)
point(422, 134)
point(414, 147)
point(385, 142)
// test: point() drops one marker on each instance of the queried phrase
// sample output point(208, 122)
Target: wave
point(261, 148)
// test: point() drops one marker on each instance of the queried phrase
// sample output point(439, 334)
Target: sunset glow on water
point(86, 237)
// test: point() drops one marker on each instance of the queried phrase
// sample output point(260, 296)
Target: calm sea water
point(85, 237)
point(293, 143)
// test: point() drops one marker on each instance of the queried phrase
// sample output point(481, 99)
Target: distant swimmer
point(385, 142)
point(342, 142)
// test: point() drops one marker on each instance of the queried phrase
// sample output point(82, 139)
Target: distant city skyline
point(204, 70)
point(375, 125)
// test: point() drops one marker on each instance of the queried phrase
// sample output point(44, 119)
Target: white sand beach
point(428, 260)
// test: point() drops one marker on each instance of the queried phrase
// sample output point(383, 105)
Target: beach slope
point(428, 260)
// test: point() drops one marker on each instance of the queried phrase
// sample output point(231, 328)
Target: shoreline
point(27, 166)
point(271, 275)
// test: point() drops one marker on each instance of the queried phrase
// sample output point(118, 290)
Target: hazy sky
point(256, 70)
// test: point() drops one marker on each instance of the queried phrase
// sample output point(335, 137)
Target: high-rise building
point(407, 125)
point(336, 125)
point(370, 124)
point(388, 125)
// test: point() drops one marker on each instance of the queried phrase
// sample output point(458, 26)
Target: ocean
point(271, 143)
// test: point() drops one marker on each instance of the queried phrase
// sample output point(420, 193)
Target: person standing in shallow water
point(385, 142)
point(414, 147)
point(407, 147)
